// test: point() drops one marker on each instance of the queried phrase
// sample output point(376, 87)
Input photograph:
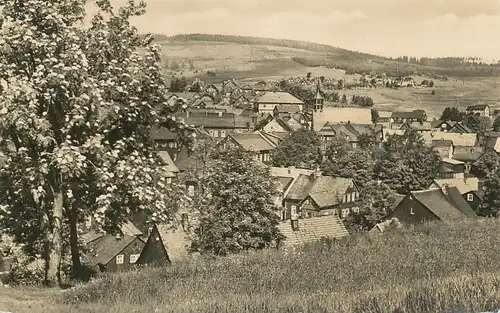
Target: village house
point(258, 142)
point(229, 86)
point(444, 148)
point(468, 188)
point(302, 231)
point(413, 116)
point(314, 194)
point(266, 103)
point(167, 244)
point(282, 125)
point(242, 101)
point(211, 90)
point(286, 110)
point(351, 132)
point(453, 168)
point(450, 127)
point(469, 140)
point(384, 117)
point(439, 204)
point(479, 109)
point(112, 252)
point(416, 126)
point(219, 124)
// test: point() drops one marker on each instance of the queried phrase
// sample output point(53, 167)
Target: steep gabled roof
point(313, 229)
point(300, 188)
point(253, 141)
point(477, 107)
point(279, 97)
point(437, 203)
point(109, 247)
point(337, 115)
point(328, 191)
point(463, 185)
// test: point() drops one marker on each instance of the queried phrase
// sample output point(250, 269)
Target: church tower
point(318, 99)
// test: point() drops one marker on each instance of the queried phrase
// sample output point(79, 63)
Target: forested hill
point(353, 61)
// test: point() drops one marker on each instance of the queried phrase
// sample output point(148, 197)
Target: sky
point(432, 28)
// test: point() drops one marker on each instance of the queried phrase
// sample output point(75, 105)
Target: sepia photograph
point(249, 156)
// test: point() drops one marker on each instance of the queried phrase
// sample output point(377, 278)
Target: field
point(253, 62)
point(433, 268)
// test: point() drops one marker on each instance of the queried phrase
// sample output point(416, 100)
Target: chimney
point(290, 169)
point(184, 221)
point(295, 223)
point(444, 189)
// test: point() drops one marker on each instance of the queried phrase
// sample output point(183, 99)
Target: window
point(133, 258)
point(119, 259)
point(412, 212)
point(353, 196)
point(345, 212)
point(348, 197)
point(171, 144)
point(306, 201)
point(169, 180)
point(470, 197)
point(216, 133)
point(88, 222)
point(294, 210)
point(223, 133)
point(344, 199)
point(355, 210)
point(211, 132)
point(190, 190)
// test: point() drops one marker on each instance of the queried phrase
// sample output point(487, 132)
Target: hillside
point(251, 57)
point(432, 268)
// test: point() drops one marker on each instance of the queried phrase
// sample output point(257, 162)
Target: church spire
point(318, 98)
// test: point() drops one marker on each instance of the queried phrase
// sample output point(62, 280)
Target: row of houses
point(311, 204)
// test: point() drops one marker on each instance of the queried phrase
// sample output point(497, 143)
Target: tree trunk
point(54, 270)
point(75, 251)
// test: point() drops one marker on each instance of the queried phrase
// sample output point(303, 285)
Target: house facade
point(479, 109)
point(313, 195)
point(266, 103)
point(258, 142)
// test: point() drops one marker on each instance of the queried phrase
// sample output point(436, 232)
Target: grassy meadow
point(433, 268)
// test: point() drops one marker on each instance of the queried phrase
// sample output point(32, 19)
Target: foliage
point(362, 101)
point(432, 268)
point(452, 114)
point(356, 164)
point(76, 115)
point(478, 124)
point(490, 206)
point(375, 204)
point(487, 164)
point(406, 163)
point(236, 211)
point(178, 84)
point(301, 148)
point(337, 148)
point(375, 115)
point(496, 124)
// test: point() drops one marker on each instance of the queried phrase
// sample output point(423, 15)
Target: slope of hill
point(254, 56)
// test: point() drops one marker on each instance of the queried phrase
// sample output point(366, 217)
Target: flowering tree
point(76, 109)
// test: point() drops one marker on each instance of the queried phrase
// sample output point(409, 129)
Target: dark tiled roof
point(288, 108)
point(300, 188)
point(108, 247)
point(441, 143)
point(253, 141)
point(455, 198)
point(438, 204)
point(328, 191)
point(477, 107)
point(465, 153)
point(313, 229)
point(413, 114)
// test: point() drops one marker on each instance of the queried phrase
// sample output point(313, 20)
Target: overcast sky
point(386, 27)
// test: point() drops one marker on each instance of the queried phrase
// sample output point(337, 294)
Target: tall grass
point(432, 268)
